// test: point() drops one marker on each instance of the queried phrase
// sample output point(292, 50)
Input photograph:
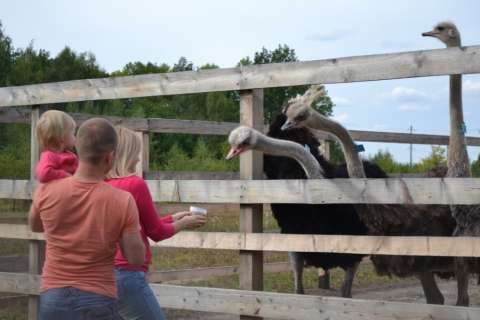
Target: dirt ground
point(409, 291)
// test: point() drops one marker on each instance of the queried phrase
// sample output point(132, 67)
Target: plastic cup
point(198, 210)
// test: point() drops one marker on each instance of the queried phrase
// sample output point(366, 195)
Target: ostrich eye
point(301, 117)
point(440, 28)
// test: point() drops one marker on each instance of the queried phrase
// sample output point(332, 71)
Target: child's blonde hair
point(128, 151)
point(52, 127)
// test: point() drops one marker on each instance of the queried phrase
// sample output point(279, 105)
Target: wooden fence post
point(144, 164)
point(36, 249)
point(251, 216)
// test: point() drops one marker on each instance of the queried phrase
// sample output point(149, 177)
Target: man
point(83, 218)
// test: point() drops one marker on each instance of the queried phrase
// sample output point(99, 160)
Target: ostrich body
point(291, 160)
point(392, 220)
point(467, 217)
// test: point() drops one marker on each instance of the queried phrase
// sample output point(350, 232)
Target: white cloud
point(342, 117)
point(413, 107)
point(407, 94)
point(471, 86)
point(341, 101)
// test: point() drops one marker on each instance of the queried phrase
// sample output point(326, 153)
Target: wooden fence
point(250, 192)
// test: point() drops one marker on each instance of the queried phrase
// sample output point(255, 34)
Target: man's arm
point(133, 248)
point(34, 220)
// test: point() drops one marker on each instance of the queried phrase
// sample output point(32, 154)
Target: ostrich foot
point(323, 279)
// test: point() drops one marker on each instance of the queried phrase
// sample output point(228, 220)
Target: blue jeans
point(136, 300)
point(73, 304)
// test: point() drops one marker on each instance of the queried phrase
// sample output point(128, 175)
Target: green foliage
point(6, 57)
point(476, 167)
point(435, 159)
point(275, 98)
point(14, 151)
point(203, 159)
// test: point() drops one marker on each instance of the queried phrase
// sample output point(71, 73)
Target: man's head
point(96, 143)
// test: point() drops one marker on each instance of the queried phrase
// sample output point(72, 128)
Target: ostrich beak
point(430, 34)
point(287, 125)
point(234, 151)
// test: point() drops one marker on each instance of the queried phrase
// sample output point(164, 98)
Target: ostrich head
point(446, 32)
point(298, 109)
point(241, 139)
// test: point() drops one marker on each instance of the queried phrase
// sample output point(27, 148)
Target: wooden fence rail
point(464, 60)
point(159, 125)
point(444, 191)
point(390, 245)
point(272, 305)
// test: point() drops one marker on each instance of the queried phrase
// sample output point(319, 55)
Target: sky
point(223, 32)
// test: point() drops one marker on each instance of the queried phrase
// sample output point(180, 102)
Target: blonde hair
point(52, 127)
point(128, 151)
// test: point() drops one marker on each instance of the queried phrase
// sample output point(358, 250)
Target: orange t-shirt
point(82, 223)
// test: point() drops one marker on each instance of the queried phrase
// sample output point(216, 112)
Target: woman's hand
point(189, 222)
point(179, 215)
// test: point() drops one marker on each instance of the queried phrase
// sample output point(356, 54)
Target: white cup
point(198, 210)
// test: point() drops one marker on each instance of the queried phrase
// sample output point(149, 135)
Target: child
point(56, 135)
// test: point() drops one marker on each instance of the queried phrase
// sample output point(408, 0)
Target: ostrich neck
point(458, 164)
point(284, 148)
point(354, 164)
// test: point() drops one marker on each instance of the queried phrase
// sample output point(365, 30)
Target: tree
point(182, 65)
point(6, 57)
point(275, 98)
point(435, 159)
point(476, 167)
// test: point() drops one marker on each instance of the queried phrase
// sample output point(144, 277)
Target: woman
point(136, 299)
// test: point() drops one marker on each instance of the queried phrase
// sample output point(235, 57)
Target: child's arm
point(49, 168)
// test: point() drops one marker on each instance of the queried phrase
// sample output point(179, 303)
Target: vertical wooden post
point(144, 163)
point(251, 216)
point(36, 249)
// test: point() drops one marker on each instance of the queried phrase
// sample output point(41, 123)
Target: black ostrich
point(306, 218)
point(380, 219)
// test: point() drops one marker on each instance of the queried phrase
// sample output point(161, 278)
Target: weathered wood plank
point(251, 215)
point(159, 125)
point(422, 246)
point(272, 305)
point(436, 62)
point(203, 273)
point(395, 190)
point(301, 307)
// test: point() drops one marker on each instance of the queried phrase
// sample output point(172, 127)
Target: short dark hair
point(95, 138)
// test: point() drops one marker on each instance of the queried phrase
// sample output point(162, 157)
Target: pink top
point(152, 225)
point(56, 165)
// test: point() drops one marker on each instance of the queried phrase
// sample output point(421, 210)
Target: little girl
point(56, 136)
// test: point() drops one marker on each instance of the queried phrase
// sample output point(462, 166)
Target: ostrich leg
point(298, 264)
point(348, 281)
point(430, 288)
point(323, 279)
point(462, 282)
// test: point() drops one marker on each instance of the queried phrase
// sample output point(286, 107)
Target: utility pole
point(411, 146)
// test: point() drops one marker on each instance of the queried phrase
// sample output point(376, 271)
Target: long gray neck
point(284, 148)
point(354, 164)
point(457, 160)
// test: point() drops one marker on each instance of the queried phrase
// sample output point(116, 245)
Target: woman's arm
point(155, 227)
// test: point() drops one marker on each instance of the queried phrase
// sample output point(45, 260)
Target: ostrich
point(286, 159)
point(467, 217)
point(400, 220)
